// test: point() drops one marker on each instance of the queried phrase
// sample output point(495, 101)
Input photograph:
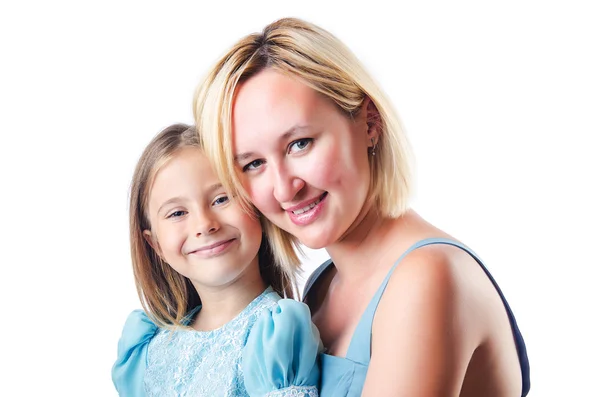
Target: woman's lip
point(305, 203)
point(310, 215)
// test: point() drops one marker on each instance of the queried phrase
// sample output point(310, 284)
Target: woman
point(297, 127)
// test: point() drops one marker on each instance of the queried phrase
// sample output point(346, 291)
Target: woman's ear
point(373, 121)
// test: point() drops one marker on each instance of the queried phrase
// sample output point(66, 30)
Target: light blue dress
point(269, 349)
point(345, 376)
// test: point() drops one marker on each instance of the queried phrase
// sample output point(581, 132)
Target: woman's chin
point(314, 242)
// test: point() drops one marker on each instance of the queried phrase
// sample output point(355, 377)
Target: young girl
point(214, 321)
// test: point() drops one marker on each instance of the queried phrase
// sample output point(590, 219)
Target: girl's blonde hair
point(306, 52)
point(166, 295)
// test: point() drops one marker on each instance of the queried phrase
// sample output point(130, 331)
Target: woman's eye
point(221, 200)
point(299, 145)
point(176, 214)
point(253, 165)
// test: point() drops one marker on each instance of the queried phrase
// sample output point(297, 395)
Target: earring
point(373, 147)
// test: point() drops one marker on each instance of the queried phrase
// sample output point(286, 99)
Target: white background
point(500, 100)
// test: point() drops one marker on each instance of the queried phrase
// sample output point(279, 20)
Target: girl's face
point(196, 228)
point(303, 163)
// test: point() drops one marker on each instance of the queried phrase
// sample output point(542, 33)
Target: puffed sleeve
point(281, 355)
point(128, 371)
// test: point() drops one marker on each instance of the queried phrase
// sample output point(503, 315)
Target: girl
point(216, 324)
point(297, 127)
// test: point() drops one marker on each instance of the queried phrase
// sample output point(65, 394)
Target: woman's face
point(302, 161)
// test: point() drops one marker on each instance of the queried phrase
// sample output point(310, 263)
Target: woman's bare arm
point(422, 337)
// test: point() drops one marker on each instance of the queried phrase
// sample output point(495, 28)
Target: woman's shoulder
point(438, 267)
point(432, 275)
point(423, 301)
point(429, 268)
point(129, 368)
point(436, 288)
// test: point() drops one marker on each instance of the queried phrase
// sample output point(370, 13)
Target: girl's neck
point(222, 304)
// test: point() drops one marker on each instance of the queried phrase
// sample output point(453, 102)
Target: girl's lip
point(211, 246)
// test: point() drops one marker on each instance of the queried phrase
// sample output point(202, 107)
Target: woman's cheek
point(259, 193)
point(320, 169)
point(250, 187)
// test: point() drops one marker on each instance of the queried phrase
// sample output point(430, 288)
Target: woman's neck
point(222, 304)
point(366, 243)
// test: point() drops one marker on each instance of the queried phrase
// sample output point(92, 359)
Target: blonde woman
point(296, 127)
point(214, 322)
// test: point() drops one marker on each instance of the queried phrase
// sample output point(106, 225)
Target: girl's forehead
point(187, 173)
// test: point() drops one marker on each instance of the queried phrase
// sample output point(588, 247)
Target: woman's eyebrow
point(295, 130)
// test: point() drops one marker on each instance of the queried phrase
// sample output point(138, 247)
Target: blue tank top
point(345, 376)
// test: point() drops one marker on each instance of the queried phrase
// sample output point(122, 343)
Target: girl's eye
point(299, 145)
point(253, 165)
point(221, 200)
point(176, 214)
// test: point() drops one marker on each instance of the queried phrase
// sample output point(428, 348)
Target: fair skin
point(205, 237)
point(441, 328)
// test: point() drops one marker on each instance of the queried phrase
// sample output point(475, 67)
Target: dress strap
point(360, 345)
point(314, 277)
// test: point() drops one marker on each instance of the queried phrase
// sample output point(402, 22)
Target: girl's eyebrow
point(169, 201)
point(214, 186)
point(210, 189)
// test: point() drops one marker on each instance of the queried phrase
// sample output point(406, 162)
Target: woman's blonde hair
point(306, 52)
point(166, 295)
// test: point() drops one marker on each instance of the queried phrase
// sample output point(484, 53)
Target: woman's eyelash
point(301, 144)
point(252, 165)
